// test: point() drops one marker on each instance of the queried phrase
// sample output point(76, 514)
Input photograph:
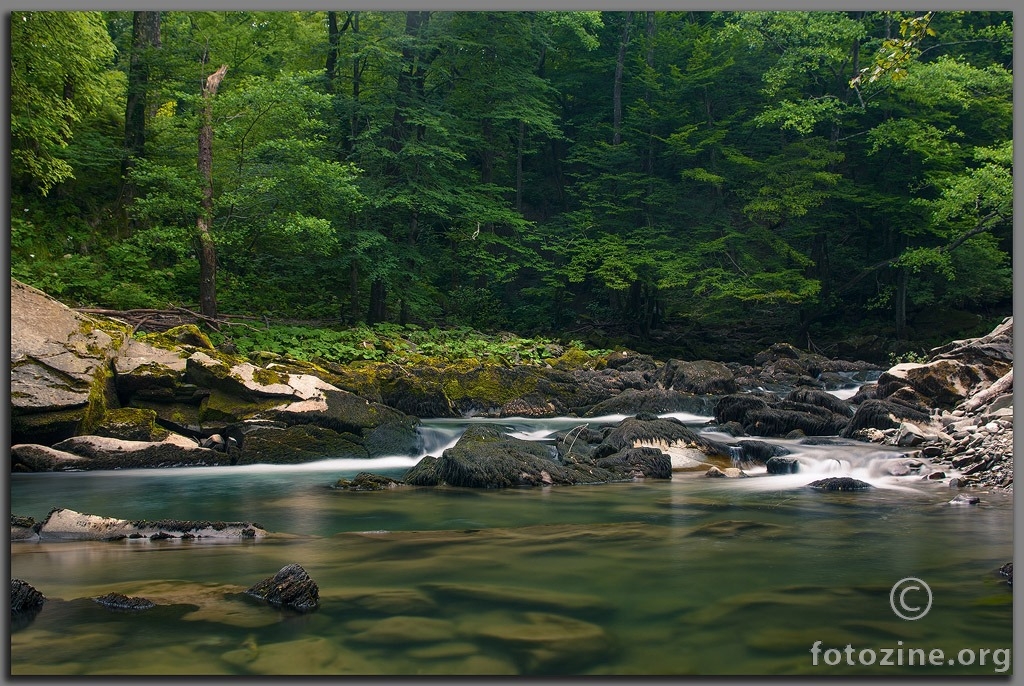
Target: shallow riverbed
point(688, 576)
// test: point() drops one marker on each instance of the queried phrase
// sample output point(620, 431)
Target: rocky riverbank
point(86, 394)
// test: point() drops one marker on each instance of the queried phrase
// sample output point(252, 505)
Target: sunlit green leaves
point(58, 72)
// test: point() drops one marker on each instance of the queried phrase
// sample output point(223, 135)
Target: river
point(678, 577)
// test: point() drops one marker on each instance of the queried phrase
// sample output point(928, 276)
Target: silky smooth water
point(688, 576)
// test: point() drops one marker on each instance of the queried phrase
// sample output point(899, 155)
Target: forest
point(703, 183)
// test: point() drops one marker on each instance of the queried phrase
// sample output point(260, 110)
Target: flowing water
point(688, 576)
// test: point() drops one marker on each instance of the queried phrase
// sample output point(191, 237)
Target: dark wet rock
point(423, 473)
point(661, 433)
point(638, 463)
point(291, 587)
point(627, 361)
point(485, 457)
point(868, 391)
point(734, 429)
point(839, 483)
point(780, 422)
point(822, 399)
point(655, 400)
point(759, 452)
point(964, 499)
point(119, 601)
point(25, 598)
point(365, 481)
point(700, 377)
point(1007, 571)
point(296, 445)
point(782, 465)
point(734, 408)
point(881, 414)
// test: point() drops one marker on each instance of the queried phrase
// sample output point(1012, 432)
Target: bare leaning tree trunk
point(207, 250)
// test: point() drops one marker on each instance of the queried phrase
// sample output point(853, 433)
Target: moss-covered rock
point(61, 379)
point(174, 339)
point(131, 424)
point(297, 444)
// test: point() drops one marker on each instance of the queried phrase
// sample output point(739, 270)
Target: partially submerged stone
point(119, 601)
point(111, 453)
point(839, 483)
point(291, 587)
point(24, 597)
point(68, 525)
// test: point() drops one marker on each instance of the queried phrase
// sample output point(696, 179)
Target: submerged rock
point(964, 499)
point(839, 483)
point(291, 587)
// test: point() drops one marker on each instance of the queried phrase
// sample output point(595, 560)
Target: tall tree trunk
point(620, 63)
point(145, 38)
point(519, 166)
point(378, 303)
point(331, 67)
point(207, 251)
point(357, 74)
point(900, 306)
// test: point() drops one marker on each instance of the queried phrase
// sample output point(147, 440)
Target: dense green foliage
point(396, 343)
point(817, 174)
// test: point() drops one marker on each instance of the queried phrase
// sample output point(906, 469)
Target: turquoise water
point(688, 576)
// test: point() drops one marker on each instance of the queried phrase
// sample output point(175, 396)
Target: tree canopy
point(647, 176)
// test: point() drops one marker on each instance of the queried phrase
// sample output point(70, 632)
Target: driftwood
point(1003, 385)
point(153, 320)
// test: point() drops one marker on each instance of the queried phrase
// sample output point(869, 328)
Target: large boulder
point(881, 414)
point(686, 448)
point(485, 457)
point(956, 371)
point(61, 375)
point(102, 452)
point(702, 377)
point(652, 400)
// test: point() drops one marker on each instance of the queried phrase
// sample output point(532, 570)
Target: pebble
point(993, 428)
